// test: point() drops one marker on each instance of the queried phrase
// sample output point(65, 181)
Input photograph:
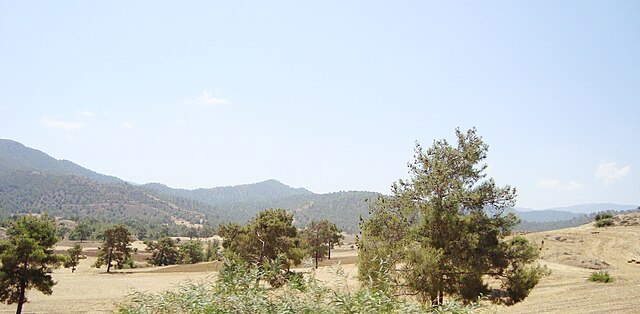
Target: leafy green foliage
point(212, 252)
point(265, 237)
point(73, 257)
point(116, 248)
point(600, 276)
point(191, 252)
point(607, 222)
point(315, 238)
point(603, 220)
point(602, 216)
point(81, 232)
point(163, 252)
point(442, 231)
point(234, 291)
point(27, 259)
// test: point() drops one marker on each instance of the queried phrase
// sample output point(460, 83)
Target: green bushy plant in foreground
point(234, 290)
point(600, 276)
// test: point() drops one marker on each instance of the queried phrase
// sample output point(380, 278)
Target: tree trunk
point(109, 259)
point(329, 255)
point(23, 287)
point(316, 259)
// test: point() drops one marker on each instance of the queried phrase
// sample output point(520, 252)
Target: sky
point(329, 95)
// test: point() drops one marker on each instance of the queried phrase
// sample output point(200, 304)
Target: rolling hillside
point(17, 157)
point(31, 180)
point(240, 203)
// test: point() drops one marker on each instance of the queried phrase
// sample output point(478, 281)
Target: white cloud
point(128, 125)
point(573, 186)
point(548, 183)
point(555, 184)
point(85, 113)
point(58, 124)
point(207, 99)
point(610, 172)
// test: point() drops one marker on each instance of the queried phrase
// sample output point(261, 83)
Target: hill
point(79, 198)
point(240, 203)
point(593, 208)
point(17, 157)
point(32, 181)
point(572, 254)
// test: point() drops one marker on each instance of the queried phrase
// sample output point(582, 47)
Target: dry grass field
point(571, 254)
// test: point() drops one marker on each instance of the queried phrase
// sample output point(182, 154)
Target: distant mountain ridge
point(14, 156)
point(241, 202)
point(254, 192)
point(32, 180)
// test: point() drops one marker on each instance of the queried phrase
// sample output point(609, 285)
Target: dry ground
point(571, 255)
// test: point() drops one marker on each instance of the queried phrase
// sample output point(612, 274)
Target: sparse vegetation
point(235, 291)
point(600, 276)
point(603, 220)
point(73, 257)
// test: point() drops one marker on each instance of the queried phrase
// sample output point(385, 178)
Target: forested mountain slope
point(78, 198)
point(15, 156)
point(240, 203)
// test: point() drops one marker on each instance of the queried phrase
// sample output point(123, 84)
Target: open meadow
point(571, 254)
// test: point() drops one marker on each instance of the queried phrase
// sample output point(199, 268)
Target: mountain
point(240, 203)
point(17, 157)
point(593, 208)
point(32, 181)
point(544, 215)
point(269, 190)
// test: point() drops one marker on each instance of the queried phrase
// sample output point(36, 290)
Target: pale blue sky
point(329, 95)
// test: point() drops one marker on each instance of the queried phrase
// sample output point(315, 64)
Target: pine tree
point(27, 259)
point(442, 231)
point(116, 248)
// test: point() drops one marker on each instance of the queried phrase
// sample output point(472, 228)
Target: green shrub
point(600, 276)
point(606, 222)
point(235, 290)
point(602, 216)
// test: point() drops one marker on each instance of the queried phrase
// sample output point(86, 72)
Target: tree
point(335, 237)
point(315, 237)
point(213, 250)
point(81, 232)
point(163, 252)
point(442, 231)
point(267, 236)
point(191, 252)
point(73, 259)
point(116, 247)
point(27, 259)
point(193, 233)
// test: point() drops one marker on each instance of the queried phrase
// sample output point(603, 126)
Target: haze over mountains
point(31, 180)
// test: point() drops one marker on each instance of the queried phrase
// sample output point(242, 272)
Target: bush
point(237, 290)
point(602, 216)
point(606, 222)
point(600, 276)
